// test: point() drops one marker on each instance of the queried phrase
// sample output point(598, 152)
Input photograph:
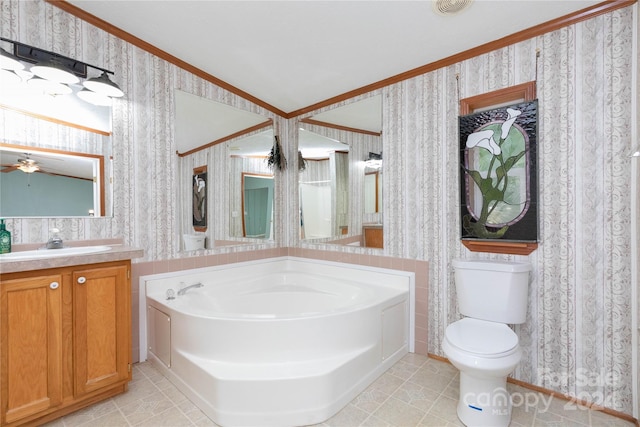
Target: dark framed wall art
point(199, 204)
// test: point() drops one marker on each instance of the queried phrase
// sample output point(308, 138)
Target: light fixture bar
point(54, 72)
point(36, 55)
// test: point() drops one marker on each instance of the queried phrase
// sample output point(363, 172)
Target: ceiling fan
point(26, 165)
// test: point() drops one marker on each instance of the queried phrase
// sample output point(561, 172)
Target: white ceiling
point(294, 54)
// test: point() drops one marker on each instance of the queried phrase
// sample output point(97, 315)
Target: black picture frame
point(199, 198)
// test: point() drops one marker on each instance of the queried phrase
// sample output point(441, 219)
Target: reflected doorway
point(315, 210)
point(372, 192)
point(257, 206)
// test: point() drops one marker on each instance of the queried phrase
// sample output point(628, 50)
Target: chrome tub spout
point(185, 289)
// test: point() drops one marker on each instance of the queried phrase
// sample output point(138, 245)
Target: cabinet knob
point(82, 279)
point(54, 285)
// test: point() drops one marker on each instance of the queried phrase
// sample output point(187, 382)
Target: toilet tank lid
point(492, 265)
point(194, 236)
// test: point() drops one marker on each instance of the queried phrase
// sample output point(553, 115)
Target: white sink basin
point(52, 253)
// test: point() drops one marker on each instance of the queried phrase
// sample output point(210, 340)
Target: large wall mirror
point(52, 168)
point(232, 145)
point(341, 183)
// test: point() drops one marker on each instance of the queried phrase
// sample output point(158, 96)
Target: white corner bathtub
point(277, 342)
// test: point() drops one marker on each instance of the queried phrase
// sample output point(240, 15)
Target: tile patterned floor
point(416, 391)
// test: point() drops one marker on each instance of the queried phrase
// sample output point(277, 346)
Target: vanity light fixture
point(94, 98)
point(9, 77)
point(374, 160)
point(49, 86)
point(55, 72)
point(103, 85)
point(9, 61)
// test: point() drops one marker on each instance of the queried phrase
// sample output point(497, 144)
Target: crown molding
point(555, 24)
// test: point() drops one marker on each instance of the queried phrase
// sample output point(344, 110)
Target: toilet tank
point(492, 290)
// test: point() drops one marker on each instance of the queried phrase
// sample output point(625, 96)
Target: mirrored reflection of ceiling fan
point(45, 163)
point(26, 165)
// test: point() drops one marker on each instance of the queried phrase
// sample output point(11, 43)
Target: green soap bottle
point(5, 239)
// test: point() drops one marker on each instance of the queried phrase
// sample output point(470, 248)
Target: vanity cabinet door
point(102, 327)
point(30, 346)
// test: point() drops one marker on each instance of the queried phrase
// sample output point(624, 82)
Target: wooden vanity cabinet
point(65, 340)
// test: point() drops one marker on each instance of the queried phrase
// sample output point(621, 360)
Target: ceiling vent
point(450, 7)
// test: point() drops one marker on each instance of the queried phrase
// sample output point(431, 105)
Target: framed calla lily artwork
point(498, 174)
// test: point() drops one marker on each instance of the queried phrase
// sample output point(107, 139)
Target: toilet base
point(484, 401)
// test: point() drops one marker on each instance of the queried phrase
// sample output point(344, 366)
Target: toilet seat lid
point(481, 337)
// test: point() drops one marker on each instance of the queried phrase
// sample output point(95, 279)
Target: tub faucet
point(55, 241)
point(185, 289)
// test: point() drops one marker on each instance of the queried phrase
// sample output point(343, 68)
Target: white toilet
point(492, 294)
point(193, 242)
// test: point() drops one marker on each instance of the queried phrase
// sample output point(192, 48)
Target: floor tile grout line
point(404, 382)
point(123, 416)
point(155, 386)
point(149, 373)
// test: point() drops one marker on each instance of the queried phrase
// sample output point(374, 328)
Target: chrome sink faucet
point(55, 241)
point(185, 289)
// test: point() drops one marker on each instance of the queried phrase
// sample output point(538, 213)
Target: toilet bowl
point(490, 348)
point(485, 353)
point(482, 346)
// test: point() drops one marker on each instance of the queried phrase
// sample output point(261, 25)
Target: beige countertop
point(118, 252)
